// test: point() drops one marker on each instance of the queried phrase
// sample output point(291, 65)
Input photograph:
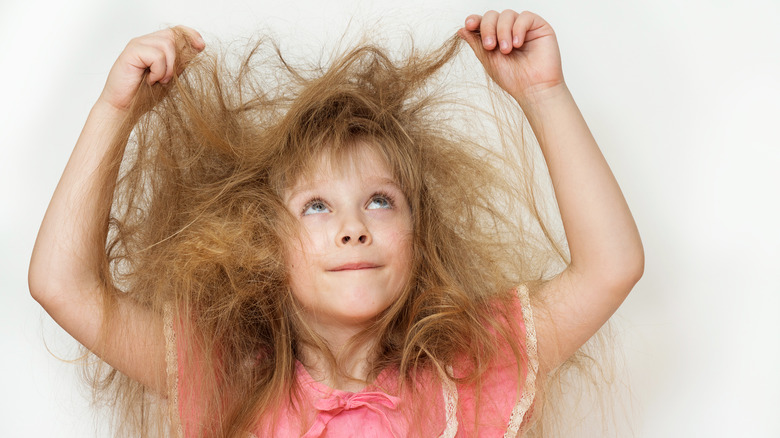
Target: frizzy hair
point(197, 223)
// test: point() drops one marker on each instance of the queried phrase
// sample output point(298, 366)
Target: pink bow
point(330, 407)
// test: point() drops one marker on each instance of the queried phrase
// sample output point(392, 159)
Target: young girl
point(331, 251)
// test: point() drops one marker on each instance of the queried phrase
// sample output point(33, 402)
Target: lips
point(354, 267)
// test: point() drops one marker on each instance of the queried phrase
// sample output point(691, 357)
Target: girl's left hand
point(518, 50)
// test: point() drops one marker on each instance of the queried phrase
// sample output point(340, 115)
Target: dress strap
point(529, 386)
point(450, 393)
point(172, 371)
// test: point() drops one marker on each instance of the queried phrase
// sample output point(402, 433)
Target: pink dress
point(372, 412)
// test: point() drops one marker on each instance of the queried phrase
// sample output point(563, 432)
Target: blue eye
point(380, 201)
point(315, 206)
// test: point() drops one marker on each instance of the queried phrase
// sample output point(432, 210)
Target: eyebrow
point(312, 186)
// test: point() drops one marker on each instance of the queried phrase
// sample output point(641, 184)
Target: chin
point(360, 314)
point(360, 309)
point(348, 304)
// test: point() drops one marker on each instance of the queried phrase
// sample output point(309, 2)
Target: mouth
point(354, 267)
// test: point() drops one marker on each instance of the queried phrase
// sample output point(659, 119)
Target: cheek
point(304, 244)
point(403, 248)
point(299, 273)
point(297, 259)
point(303, 256)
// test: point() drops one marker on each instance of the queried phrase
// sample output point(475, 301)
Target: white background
point(683, 96)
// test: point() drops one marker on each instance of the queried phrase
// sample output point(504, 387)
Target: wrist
point(107, 112)
point(534, 98)
point(549, 109)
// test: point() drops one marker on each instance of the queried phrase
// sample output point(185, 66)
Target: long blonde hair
point(197, 221)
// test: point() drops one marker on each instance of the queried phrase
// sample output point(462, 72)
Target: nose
point(361, 238)
point(354, 232)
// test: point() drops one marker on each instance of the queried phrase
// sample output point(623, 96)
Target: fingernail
point(469, 21)
point(516, 40)
point(504, 45)
point(488, 41)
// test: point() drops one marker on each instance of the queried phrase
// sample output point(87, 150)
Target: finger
point(179, 44)
point(170, 61)
point(487, 29)
point(172, 55)
point(153, 53)
point(140, 56)
point(524, 27)
point(155, 60)
point(165, 41)
point(188, 44)
point(504, 30)
point(473, 40)
point(472, 22)
point(193, 36)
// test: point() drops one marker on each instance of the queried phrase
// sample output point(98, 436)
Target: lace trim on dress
point(450, 392)
point(172, 371)
point(529, 387)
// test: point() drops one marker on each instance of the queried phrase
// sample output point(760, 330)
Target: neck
point(353, 358)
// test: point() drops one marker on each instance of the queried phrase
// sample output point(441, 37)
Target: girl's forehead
point(362, 161)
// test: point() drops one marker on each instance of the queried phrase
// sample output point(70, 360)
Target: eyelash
point(390, 200)
point(310, 203)
point(380, 194)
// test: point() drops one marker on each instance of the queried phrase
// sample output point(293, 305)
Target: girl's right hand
point(155, 53)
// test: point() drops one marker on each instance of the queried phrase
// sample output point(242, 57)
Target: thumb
point(472, 38)
point(474, 41)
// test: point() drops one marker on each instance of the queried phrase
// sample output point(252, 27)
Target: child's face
point(353, 257)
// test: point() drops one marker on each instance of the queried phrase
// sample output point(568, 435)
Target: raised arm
point(65, 269)
point(520, 52)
